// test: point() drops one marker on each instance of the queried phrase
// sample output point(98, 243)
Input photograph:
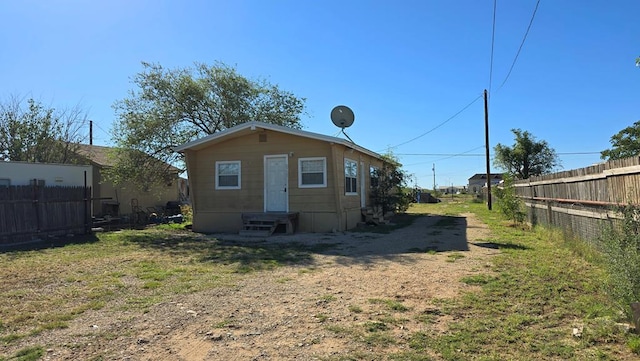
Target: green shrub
point(510, 205)
point(621, 246)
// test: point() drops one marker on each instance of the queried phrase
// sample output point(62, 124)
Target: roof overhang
point(254, 126)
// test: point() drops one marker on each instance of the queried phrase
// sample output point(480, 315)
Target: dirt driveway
point(325, 309)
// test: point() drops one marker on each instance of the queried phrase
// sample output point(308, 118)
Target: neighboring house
point(45, 174)
point(126, 198)
point(257, 170)
point(479, 180)
point(452, 189)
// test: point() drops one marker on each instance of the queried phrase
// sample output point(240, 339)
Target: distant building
point(45, 174)
point(452, 189)
point(479, 181)
point(127, 198)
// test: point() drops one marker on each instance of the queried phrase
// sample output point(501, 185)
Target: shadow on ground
point(412, 234)
point(48, 242)
point(501, 245)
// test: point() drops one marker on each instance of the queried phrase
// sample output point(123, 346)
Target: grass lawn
point(538, 290)
point(541, 289)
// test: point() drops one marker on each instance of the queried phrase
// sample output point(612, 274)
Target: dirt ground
point(301, 312)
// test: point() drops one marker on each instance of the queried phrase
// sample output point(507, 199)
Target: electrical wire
point(493, 39)
point(437, 126)
point(535, 10)
point(442, 154)
point(478, 154)
point(448, 156)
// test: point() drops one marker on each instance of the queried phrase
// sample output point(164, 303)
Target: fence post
point(85, 207)
point(35, 200)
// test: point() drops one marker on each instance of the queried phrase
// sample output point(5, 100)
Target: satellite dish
point(342, 116)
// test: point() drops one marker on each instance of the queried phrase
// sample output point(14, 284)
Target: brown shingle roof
point(97, 154)
point(100, 155)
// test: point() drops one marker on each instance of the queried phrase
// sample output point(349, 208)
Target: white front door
point(276, 174)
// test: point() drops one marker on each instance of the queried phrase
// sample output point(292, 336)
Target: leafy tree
point(527, 157)
point(625, 143)
point(31, 132)
point(389, 190)
point(510, 205)
point(175, 106)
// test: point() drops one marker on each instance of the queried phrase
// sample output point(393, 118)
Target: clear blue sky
point(404, 67)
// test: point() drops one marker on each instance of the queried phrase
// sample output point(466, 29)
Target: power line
point(443, 154)
point(521, 44)
point(468, 154)
point(448, 156)
point(459, 154)
point(437, 126)
point(478, 154)
point(493, 39)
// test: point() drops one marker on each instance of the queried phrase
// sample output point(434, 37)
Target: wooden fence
point(582, 201)
point(32, 212)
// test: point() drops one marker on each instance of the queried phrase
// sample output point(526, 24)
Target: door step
point(265, 224)
point(258, 228)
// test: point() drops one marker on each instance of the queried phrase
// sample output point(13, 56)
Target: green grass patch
point(26, 354)
point(355, 309)
point(452, 257)
point(391, 304)
point(479, 279)
point(327, 298)
point(634, 344)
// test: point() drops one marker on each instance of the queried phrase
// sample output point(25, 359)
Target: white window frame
point(218, 164)
point(324, 173)
point(346, 168)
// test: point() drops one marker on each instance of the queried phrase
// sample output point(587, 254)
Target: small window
point(312, 172)
point(350, 176)
point(228, 175)
point(375, 177)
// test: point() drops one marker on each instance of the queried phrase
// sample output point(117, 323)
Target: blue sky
point(404, 67)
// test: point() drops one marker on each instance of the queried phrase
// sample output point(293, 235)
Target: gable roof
point(250, 127)
point(484, 176)
point(99, 155)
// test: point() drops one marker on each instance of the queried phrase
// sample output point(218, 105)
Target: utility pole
point(486, 142)
point(91, 132)
point(434, 178)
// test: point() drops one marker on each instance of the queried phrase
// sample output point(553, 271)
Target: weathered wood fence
point(582, 201)
point(32, 212)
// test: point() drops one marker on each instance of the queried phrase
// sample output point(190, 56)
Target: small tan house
point(255, 171)
point(112, 200)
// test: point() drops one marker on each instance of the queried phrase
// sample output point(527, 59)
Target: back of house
point(257, 168)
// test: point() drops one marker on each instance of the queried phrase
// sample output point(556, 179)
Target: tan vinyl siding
point(318, 207)
point(223, 222)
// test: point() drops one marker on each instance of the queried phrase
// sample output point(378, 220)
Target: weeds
point(621, 246)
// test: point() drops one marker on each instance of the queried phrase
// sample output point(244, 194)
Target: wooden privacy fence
point(28, 212)
point(583, 200)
